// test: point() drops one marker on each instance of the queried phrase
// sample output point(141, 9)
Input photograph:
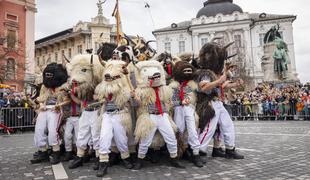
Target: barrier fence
point(21, 118)
point(268, 112)
point(17, 118)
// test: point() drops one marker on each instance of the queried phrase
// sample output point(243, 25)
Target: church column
point(254, 67)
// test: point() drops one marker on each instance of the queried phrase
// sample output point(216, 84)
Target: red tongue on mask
point(151, 82)
point(169, 69)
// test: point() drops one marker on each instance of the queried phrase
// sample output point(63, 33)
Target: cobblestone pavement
point(273, 150)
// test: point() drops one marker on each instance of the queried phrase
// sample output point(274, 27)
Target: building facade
point(225, 20)
point(17, 18)
point(73, 41)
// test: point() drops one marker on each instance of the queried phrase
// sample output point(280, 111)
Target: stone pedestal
point(268, 67)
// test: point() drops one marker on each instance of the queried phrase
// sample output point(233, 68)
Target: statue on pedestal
point(99, 5)
point(280, 58)
point(275, 60)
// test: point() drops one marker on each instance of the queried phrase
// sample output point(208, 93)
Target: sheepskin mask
point(85, 74)
point(183, 71)
point(124, 53)
point(114, 70)
point(212, 56)
point(54, 75)
point(105, 51)
point(151, 74)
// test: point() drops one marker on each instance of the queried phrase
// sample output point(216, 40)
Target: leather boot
point(218, 152)
point(127, 163)
point(203, 157)
point(96, 165)
point(133, 157)
point(139, 164)
point(114, 159)
point(86, 158)
point(103, 169)
point(232, 154)
point(197, 160)
point(68, 156)
point(155, 156)
point(188, 154)
point(55, 157)
point(77, 162)
point(175, 163)
point(40, 157)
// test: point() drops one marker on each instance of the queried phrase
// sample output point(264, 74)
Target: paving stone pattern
point(273, 150)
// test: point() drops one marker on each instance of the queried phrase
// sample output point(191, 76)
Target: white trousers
point(164, 127)
point(111, 127)
point(226, 127)
point(47, 120)
point(72, 127)
point(89, 130)
point(184, 117)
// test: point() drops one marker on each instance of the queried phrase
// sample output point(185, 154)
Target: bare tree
point(243, 65)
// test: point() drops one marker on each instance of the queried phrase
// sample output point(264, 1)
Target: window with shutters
point(181, 46)
point(11, 39)
point(168, 46)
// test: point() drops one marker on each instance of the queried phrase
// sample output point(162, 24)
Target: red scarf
point(73, 104)
point(183, 84)
point(169, 69)
point(158, 103)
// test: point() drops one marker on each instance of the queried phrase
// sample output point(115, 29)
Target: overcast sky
point(57, 15)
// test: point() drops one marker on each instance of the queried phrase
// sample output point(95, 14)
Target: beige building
point(75, 40)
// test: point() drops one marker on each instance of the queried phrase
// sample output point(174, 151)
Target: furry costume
point(211, 111)
point(151, 76)
point(49, 116)
point(184, 101)
point(114, 92)
point(85, 74)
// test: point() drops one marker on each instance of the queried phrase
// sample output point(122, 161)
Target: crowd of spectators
point(13, 100)
point(271, 100)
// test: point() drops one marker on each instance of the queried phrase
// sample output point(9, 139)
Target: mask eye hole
point(84, 70)
point(49, 75)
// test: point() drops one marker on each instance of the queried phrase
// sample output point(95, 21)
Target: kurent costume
point(209, 106)
point(49, 114)
point(72, 126)
point(154, 97)
point(116, 123)
point(85, 73)
point(184, 102)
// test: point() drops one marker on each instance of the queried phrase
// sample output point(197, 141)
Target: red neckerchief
point(110, 96)
point(183, 84)
point(158, 103)
point(169, 69)
point(73, 104)
point(84, 103)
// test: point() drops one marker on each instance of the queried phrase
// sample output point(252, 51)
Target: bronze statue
point(280, 58)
